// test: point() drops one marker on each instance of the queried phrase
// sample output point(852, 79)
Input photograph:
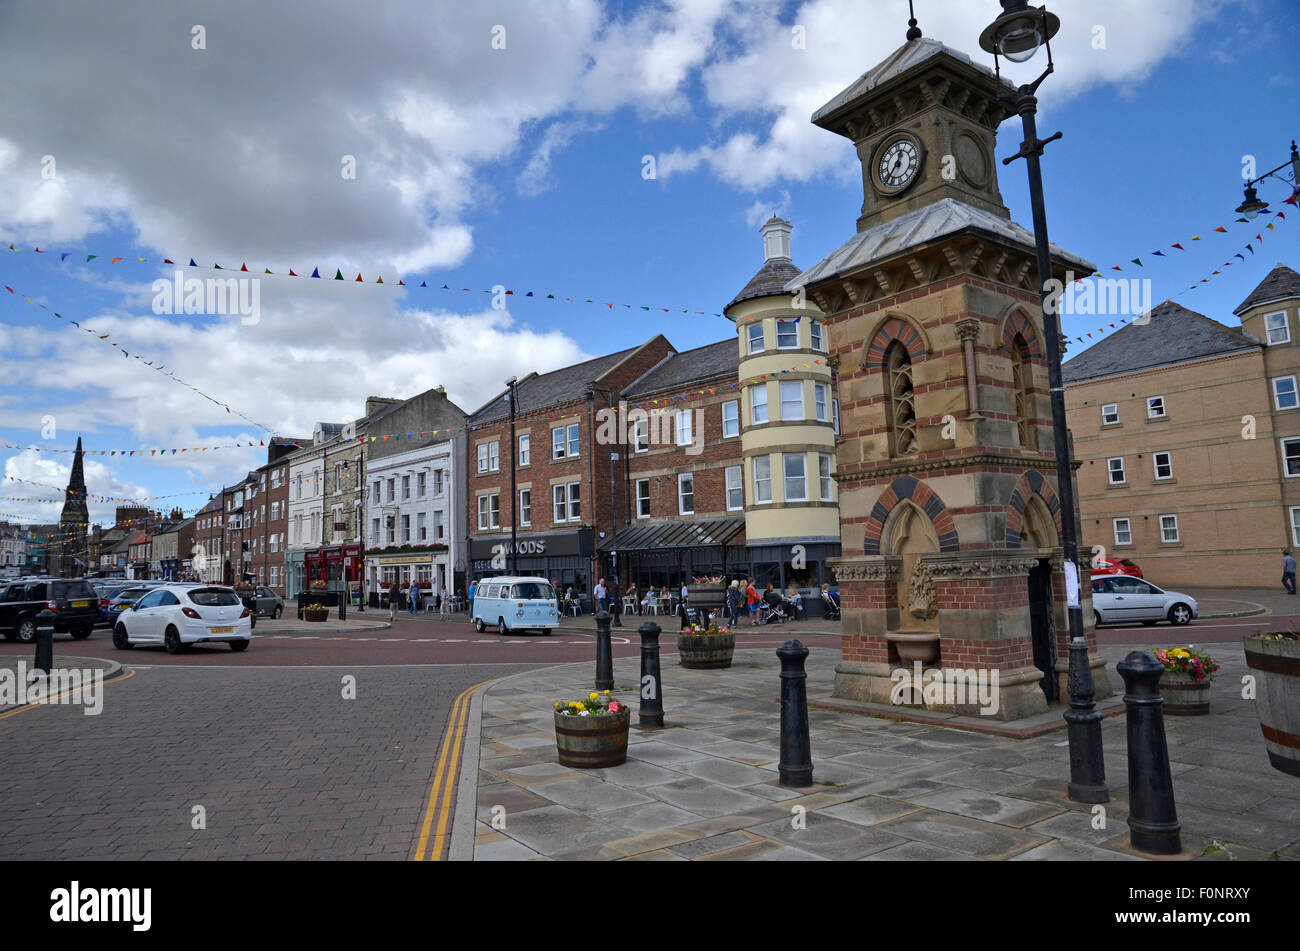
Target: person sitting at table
point(633, 598)
point(664, 595)
point(796, 600)
point(651, 602)
point(568, 599)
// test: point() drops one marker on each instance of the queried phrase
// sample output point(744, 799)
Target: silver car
point(1120, 599)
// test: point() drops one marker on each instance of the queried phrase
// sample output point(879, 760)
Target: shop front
point(671, 553)
point(295, 570)
point(338, 566)
point(426, 565)
point(563, 558)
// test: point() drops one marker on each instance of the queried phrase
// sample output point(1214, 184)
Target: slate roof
point(923, 226)
point(1173, 335)
point(680, 369)
point(1282, 283)
point(680, 533)
point(539, 391)
point(770, 281)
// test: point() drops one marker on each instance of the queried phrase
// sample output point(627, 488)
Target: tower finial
point(913, 31)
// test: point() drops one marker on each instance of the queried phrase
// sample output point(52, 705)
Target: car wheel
point(238, 646)
point(1180, 614)
point(1096, 619)
point(478, 625)
point(279, 609)
point(120, 640)
point(26, 630)
point(501, 627)
point(252, 620)
point(81, 633)
point(172, 641)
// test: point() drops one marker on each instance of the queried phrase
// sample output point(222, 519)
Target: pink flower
point(614, 707)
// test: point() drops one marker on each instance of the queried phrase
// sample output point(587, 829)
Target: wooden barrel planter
point(706, 598)
point(707, 652)
point(1184, 696)
point(310, 615)
point(1276, 666)
point(592, 742)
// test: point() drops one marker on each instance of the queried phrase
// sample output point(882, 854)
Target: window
point(835, 416)
point(1123, 532)
point(374, 531)
point(1164, 465)
point(1020, 382)
point(641, 435)
point(525, 449)
point(1284, 393)
point(1116, 468)
point(756, 337)
point(437, 482)
point(1275, 326)
point(489, 456)
point(1291, 457)
point(525, 506)
point(406, 528)
point(1168, 529)
point(819, 400)
point(796, 483)
point(1156, 407)
point(406, 487)
point(735, 489)
point(902, 410)
point(376, 495)
point(815, 334)
point(1295, 525)
point(564, 441)
point(392, 490)
point(566, 502)
point(824, 474)
point(439, 525)
point(686, 494)
point(419, 484)
point(391, 523)
point(642, 498)
point(1109, 414)
point(758, 403)
point(489, 511)
point(684, 427)
point(792, 399)
point(275, 511)
point(762, 479)
point(421, 531)
point(731, 418)
point(787, 334)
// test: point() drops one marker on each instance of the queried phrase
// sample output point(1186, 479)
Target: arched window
point(902, 403)
point(1021, 380)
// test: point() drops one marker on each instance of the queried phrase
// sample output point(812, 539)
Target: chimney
point(375, 403)
point(776, 238)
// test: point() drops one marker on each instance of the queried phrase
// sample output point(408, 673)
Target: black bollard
point(1152, 819)
point(44, 641)
point(616, 606)
point(795, 767)
point(604, 655)
point(652, 702)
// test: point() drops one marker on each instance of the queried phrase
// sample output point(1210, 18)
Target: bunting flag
point(107, 498)
point(149, 363)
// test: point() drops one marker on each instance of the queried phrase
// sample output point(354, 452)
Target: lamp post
point(514, 492)
point(1251, 204)
point(1017, 35)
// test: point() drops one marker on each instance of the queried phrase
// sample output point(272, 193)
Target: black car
point(74, 603)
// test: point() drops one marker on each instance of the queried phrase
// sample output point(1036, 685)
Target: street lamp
point(1017, 35)
point(514, 492)
point(1251, 205)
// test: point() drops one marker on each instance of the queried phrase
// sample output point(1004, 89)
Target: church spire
point(76, 491)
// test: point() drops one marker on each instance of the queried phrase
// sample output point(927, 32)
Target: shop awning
point(678, 534)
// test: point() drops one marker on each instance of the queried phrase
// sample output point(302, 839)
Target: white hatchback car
point(177, 615)
point(1117, 599)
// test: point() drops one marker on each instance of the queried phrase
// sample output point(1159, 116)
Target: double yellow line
point(444, 780)
point(125, 675)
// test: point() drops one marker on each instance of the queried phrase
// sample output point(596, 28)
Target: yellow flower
point(607, 693)
point(594, 696)
point(557, 703)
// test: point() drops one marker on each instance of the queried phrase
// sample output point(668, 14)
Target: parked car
point(1117, 599)
point(178, 615)
point(264, 602)
point(121, 599)
point(1122, 567)
point(73, 602)
point(514, 604)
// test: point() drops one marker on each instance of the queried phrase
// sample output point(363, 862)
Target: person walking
point(442, 602)
point(1288, 571)
point(413, 597)
point(751, 599)
point(733, 605)
point(602, 595)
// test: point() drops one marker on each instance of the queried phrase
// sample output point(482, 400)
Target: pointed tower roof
point(1282, 283)
point(777, 270)
point(77, 481)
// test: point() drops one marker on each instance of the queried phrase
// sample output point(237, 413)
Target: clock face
point(897, 164)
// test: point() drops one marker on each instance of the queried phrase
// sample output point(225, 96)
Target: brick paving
point(282, 765)
point(705, 788)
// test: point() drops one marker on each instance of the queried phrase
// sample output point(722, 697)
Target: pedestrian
point(472, 588)
point(1288, 571)
point(413, 596)
point(601, 592)
point(733, 605)
point(751, 599)
point(442, 602)
point(632, 594)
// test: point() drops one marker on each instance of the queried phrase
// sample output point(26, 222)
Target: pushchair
point(832, 609)
point(776, 610)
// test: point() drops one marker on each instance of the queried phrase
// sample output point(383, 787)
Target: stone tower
point(73, 521)
point(949, 518)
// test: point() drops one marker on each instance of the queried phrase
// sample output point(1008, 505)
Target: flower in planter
point(595, 705)
point(1188, 660)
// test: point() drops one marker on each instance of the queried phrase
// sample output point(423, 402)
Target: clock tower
point(949, 518)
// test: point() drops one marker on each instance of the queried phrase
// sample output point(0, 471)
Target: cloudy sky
point(487, 144)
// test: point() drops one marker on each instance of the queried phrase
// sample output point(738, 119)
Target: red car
point(1121, 567)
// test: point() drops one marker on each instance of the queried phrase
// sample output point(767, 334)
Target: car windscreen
point(71, 589)
point(213, 597)
point(531, 591)
point(132, 594)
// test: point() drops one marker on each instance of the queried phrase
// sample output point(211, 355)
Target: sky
point(622, 152)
